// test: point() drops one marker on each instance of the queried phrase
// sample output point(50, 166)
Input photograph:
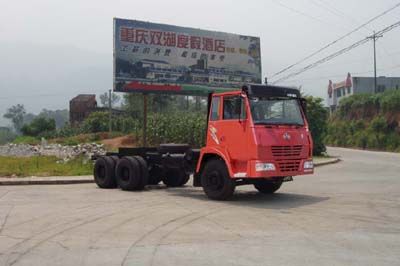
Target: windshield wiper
point(292, 124)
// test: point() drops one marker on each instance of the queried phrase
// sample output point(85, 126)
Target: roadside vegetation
point(317, 116)
point(367, 121)
point(44, 166)
point(177, 119)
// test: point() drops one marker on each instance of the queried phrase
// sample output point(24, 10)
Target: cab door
point(234, 131)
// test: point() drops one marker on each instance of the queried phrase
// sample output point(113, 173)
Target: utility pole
point(374, 38)
point(109, 112)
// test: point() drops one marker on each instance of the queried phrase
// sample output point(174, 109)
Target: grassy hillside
point(367, 121)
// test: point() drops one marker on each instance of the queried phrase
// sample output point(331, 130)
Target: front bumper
point(282, 168)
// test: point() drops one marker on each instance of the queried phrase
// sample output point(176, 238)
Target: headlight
point(308, 165)
point(261, 167)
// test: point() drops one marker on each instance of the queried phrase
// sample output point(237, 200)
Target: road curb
point(65, 181)
point(327, 162)
point(44, 182)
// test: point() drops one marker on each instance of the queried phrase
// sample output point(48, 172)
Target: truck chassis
point(132, 169)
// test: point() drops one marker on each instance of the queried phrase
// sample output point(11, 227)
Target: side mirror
point(303, 103)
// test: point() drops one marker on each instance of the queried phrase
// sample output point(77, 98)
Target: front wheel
point(267, 187)
point(216, 182)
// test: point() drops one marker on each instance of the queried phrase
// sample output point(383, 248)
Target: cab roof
point(259, 90)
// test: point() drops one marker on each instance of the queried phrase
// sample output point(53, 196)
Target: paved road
point(346, 214)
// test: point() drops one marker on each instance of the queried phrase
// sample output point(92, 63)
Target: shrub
point(26, 140)
point(6, 135)
point(96, 122)
point(99, 122)
point(367, 121)
point(40, 127)
point(317, 116)
point(178, 127)
point(391, 101)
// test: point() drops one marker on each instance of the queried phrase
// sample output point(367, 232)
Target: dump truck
point(258, 135)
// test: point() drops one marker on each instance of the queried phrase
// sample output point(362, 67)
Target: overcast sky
point(51, 50)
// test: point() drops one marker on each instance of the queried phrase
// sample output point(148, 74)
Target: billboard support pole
point(144, 119)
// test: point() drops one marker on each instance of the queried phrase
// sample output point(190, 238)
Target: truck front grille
point(289, 166)
point(286, 151)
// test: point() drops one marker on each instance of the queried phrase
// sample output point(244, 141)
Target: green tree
point(104, 98)
point(40, 126)
point(61, 117)
point(317, 116)
point(16, 115)
point(6, 135)
point(96, 122)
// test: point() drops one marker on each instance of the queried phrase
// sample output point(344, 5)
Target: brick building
point(80, 107)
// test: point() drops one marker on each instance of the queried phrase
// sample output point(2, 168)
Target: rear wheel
point(155, 175)
point(144, 171)
point(128, 174)
point(216, 181)
point(267, 187)
point(104, 172)
point(175, 178)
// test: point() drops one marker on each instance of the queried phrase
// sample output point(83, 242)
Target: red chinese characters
point(171, 39)
point(155, 37)
point(141, 36)
point(220, 46)
point(208, 44)
point(195, 42)
point(183, 41)
point(126, 34)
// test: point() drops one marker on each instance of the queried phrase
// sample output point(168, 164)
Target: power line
point(341, 75)
point(336, 41)
point(338, 12)
point(302, 13)
point(321, 5)
point(338, 53)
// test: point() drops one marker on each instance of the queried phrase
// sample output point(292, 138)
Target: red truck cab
point(258, 136)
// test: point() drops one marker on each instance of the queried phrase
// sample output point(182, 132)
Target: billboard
point(150, 57)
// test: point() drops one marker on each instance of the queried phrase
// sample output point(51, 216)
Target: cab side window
point(215, 108)
point(234, 108)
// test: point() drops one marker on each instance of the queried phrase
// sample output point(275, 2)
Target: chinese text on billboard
point(164, 58)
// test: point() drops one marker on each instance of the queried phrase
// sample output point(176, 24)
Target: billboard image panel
point(150, 57)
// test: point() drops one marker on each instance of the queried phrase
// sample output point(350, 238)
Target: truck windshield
point(276, 111)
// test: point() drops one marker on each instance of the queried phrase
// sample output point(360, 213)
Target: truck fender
point(214, 153)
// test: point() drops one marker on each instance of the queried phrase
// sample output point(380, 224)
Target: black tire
point(155, 175)
point(128, 174)
point(267, 187)
point(144, 170)
point(175, 177)
point(216, 182)
point(185, 179)
point(104, 172)
point(115, 158)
